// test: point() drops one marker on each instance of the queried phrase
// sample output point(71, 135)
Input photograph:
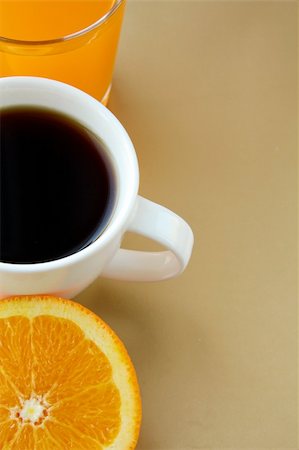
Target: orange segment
point(52, 340)
point(94, 369)
point(4, 414)
point(8, 431)
point(68, 437)
point(66, 380)
point(24, 439)
point(83, 409)
point(15, 352)
point(8, 395)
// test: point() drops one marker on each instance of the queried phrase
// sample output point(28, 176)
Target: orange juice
point(56, 39)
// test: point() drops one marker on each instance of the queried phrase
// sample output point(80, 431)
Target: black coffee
point(57, 187)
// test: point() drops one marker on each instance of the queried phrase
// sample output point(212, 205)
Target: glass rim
point(103, 19)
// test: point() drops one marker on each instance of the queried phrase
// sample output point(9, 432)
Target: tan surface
point(207, 91)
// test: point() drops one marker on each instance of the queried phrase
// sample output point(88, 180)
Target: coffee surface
point(57, 187)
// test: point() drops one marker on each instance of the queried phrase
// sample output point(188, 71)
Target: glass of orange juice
point(74, 41)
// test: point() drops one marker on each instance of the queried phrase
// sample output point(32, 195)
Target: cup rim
point(117, 222)
point(98, 23)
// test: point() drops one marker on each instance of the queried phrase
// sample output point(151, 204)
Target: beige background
point(207, 91)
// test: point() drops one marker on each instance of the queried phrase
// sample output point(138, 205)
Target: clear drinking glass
point(74, 41)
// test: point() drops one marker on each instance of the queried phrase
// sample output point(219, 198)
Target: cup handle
point(164, 226)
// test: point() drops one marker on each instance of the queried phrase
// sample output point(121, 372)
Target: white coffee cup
point(69, 275)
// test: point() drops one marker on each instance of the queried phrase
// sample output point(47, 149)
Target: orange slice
point(66, 380)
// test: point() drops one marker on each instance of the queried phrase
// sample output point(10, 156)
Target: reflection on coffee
point(57, 186)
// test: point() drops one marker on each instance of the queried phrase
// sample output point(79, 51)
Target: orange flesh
point(49, 360)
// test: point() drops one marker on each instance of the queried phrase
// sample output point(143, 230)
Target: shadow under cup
point(84, 58)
